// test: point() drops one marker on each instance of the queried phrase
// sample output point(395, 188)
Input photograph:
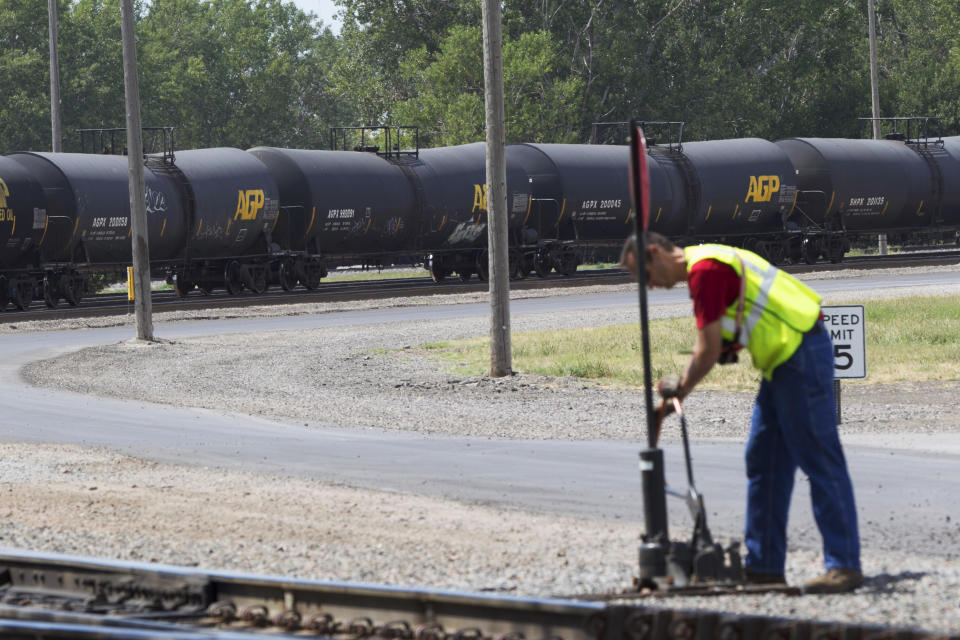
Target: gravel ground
point(380, 378)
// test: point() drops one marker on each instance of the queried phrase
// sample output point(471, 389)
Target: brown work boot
point(835, 581)
point(751, 577)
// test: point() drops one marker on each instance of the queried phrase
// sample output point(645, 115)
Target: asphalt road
point(906, 499)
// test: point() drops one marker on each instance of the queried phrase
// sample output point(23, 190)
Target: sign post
point(846, 327)
point(656, 540)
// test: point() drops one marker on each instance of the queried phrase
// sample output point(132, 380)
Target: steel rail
point(58, 596)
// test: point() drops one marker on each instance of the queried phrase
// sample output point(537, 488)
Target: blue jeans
point(794, 425)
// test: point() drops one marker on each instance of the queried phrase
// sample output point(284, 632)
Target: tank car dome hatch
point(23, 213)
point(862, 185)
point(341, 202)
point(234, 200)
point(88, 208)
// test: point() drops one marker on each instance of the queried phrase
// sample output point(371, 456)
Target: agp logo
point(249, 204)
point(479, 197)
point(762, 188)
point(5, 213)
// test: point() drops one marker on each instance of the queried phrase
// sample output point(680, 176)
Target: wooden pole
point(497, 237)
point(56, 127)
point(875, 96)
point(138, 206)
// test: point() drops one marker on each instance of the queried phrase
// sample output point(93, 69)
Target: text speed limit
point(845, 325)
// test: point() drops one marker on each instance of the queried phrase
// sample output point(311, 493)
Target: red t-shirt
point(714, 286)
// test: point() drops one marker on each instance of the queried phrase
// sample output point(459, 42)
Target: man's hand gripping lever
point(669, 390)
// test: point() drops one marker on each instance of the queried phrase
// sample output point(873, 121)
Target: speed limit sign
point(845, 325)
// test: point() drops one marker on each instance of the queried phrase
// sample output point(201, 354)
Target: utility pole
point(875, 96)
point(497, 237)
point(138, 207)
point(55, 124)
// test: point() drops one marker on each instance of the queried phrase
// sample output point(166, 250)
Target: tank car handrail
point(920, 126)
point(338, 140)
point(166, 134)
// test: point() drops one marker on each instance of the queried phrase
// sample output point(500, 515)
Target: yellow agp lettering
point(6, 215)
point(479, 197)
point(249, 204)
point(762, 188)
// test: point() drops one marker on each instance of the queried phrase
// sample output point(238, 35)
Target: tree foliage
point(248, 72)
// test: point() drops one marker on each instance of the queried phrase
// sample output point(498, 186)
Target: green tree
point(449, 106)
point(236, 72)
point(376, 36)
point(919, 59)
point(91, 68)
point(25, 75)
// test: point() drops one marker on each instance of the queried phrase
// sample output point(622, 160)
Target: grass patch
point(908, 339)
point(373, 274)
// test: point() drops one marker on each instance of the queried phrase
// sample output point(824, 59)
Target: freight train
point(231, 219)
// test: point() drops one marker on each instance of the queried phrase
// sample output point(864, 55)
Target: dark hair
point(652, 238)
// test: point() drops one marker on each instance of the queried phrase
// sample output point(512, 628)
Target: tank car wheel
point(73, 291)
point(22, 294)
point(258, 279)
point(542, 264)
point(437, 273)
point(182, 286)
point(810, 251)
point(4, 293)
point(568, 263)
point(287, 276)
point(774, 253)
point(483, 266)
point(312, 279)
point(464, 274)
point(231, 278)
point(51, 291)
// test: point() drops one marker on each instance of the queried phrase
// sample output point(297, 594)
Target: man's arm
point(705, 354)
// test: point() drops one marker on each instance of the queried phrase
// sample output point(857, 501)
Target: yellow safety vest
point(777, 310)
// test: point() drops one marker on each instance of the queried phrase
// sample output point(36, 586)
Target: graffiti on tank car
point(249, 203)
point(466, 233)
point(479, 197)
point(393, 225)
point(762, 188)
point(6, 213)
point(156, 201)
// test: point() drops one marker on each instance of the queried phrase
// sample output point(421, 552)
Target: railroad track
point(165, 300)
point(52, 596)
